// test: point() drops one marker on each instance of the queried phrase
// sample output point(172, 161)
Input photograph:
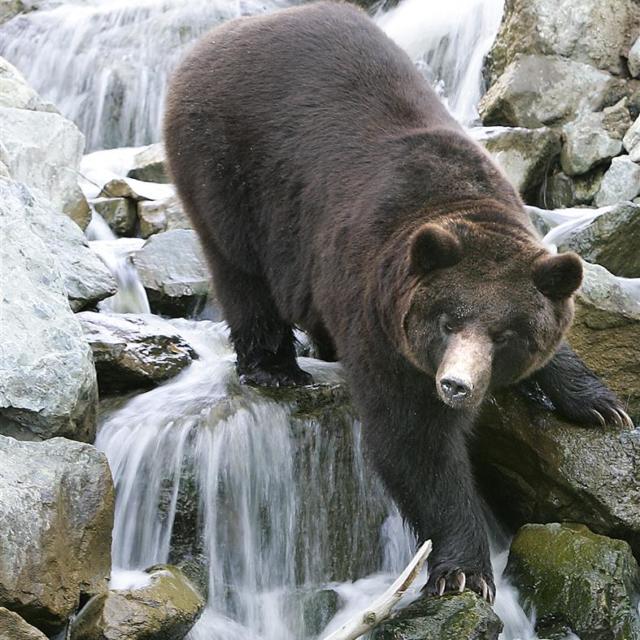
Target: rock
point(633, 60)
point(14, 90)
point(119, 213)
point(149, 164)
point(611, 240)
point(166, 609)
point(77, 207)
point(174, 272)
point(451, 617)
point(523, 154)
point(537, 90)
point(588, 141)
point(621, 182)
point(56, 515)
point(548, 27)
point(87, 280)
point(43, 150)
point(9, 9)
point(534, 467)
point(561, 191)
point(135, 189)
point(13, 627)
point(606, 333)
point(571, 576)
point(47, 377)
point(631, 141)
point(132, 351)
point(162, 215)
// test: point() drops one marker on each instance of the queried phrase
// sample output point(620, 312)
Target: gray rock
point(166, 609)
point(132, 351)
point(9, 9)
point(87, 280)
point(571, 576)
point(162, 215)
point(119, 213)
point(451, 617)
point(523, 154)
point(149, 164)
point(633, 60)
point(47, 377)
point(43, 150)
point(14, 90)
point(537, 90)
point(135, 189)
point(56, 515)
point(13, 627)
point(548, 27)
point(621, 182)
point(631, 141)
point(588, 142)
point(611, 240)
point(173, 271)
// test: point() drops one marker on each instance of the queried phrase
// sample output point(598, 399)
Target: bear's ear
point(433, 247)
point(557, 277)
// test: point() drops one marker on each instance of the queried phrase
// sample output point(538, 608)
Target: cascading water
point(105, 63)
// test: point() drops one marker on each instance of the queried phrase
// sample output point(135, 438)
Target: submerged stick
point(380, 609)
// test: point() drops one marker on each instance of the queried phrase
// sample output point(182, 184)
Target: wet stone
point(572, 577)
point(13, 627)
point(450, 617)
point(119, 214)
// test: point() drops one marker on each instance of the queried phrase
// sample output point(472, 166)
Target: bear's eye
point(447, 325)
point(503, 337)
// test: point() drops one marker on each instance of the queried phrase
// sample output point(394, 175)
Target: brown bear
point(332, 190)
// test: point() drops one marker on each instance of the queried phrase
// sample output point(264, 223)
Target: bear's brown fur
point(333, 191)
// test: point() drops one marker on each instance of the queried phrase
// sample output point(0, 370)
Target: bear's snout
point(463, 376)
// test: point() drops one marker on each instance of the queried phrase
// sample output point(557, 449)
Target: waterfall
point(265, 505)
point(105, 63)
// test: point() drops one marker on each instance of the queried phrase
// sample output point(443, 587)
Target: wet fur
point(307, 150)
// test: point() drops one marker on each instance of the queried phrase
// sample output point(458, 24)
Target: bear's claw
point(456, 581)
point(277, 378)
point(617, 415)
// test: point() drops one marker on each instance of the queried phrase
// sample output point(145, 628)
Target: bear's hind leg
point(263, 341)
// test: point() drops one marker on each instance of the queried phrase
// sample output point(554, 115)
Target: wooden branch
point(380, 609)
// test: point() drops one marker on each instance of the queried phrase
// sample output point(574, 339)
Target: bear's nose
point(454, 389)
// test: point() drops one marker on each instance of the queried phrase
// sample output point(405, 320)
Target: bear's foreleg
point(419, 449)
point(577, 393)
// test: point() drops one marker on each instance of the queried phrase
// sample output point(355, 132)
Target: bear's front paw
point(599, 409)
point(291, 377)
point(456, 580)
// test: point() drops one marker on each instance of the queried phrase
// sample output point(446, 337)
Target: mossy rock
point(571, 576)
point(451, 617)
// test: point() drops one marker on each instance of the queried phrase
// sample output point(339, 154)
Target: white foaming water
point(116, 254)
point(105, 63)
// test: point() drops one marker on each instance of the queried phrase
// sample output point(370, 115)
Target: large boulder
point(576, 580)
point(451, 617)
point(174, 272)
point(535, 467)
point(164, 609)
point(560, 191)
point(606, 333)
point(119, 213)
point(621, 182)
point(43, 150)
point(13, 627)
point(612, 240)
point(47, 376)
point(537, 90)
point(56, 516)
point(15, 92)
point(549, 27)
point(523, 154)
point(133, 351)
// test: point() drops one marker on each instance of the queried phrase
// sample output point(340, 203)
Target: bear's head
point(484, 307)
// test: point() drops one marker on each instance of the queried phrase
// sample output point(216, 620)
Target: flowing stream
point(266, 500)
